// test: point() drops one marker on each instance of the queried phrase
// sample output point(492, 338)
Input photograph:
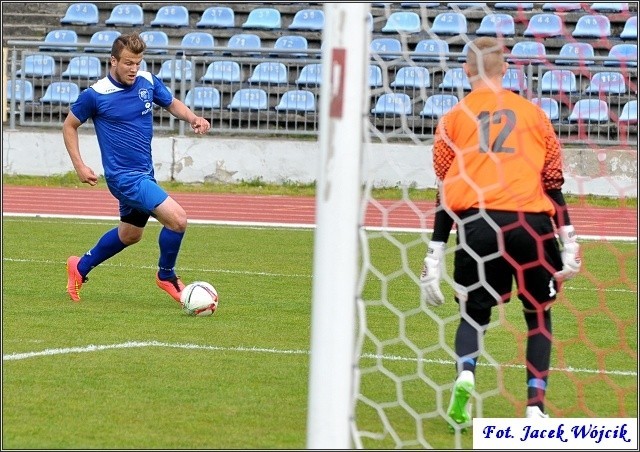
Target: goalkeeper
point(499, 166)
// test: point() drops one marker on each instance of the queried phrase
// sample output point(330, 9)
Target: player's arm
point(72, 143)
point(178, 109)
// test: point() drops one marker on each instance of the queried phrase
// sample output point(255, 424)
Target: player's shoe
point(459, 407)
point(534, 412)
point(172, 286)
point(74, 278)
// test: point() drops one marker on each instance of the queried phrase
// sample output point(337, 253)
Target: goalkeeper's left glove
point(432, 273)
point(570, 253)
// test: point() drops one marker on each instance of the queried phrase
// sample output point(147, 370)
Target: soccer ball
point(199, 299)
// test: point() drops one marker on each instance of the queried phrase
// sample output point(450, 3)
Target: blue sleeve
point(161, 94)
point(85, 106)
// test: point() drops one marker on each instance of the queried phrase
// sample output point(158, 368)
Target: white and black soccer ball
point(199, 299)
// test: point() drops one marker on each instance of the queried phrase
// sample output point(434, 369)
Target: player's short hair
point(485, 57)
point(132, 42)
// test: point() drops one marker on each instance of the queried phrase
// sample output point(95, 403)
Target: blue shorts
point(137, 193)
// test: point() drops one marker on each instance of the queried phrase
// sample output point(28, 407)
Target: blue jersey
point(123, 118)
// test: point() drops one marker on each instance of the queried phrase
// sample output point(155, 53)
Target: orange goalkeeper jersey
point(497, 151)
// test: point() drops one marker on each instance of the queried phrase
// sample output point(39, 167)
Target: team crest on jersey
point(144, 95)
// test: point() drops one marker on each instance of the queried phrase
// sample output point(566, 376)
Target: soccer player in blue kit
point(120, 106)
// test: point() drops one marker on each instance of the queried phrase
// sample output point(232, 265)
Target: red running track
point(92, 201)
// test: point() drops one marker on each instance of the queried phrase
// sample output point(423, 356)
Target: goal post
point(343, 101)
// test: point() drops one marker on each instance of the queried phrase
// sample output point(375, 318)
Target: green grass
point(238, 379)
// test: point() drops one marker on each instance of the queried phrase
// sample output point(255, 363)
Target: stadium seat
point(544, 25)
point(393, 104)
point(419, 4)
point(297, 100)
point(514, 80)
point(370, 21)
point(497, 25)
point(466, 5)
point(61, 93)
point(437, 105)
point(383, 47)
point(609, 7)
point(38, 65)
point(206, 97)
point(249, 99)
point(403, 22)
point(270, 72)
point(308, 19)
point(513, 6)
point(289, 43)
point(528, 52)
point(20, 90)
point(450, 23)
point(549, 105)
point(55, 38)
point(197, 43)
point(465, 50)
point(263, 18)
point(590, 110)
point(607, 83)
point(126, 14)
point(102, 41)
point(629, 112)
point(171, 16)
point(558, 81)
point(630, 30)
point(168, 71)
point(240, 44)
point(222, 71)
point(455, 78)
point(84, 66)
point(412, 77)
point(157, 42)
point(623, 55)
point(561, 7)
point(581, 51)
point(81, 14)
point(310, 75)
point(143, 66)
point(592, 26)
point(434, 50)
point(375, 76)
point(217, 17)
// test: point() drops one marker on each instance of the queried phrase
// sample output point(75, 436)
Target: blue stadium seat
point(157, 42)
point(61, 93)
point(629, 112)
point(561, 7)
point(383, 47)
point(375, 76)
point(558, 81)
point(465, 50)
point(419, 4)
point(217, 17)
point(143, 66)
point(549, 105)
point(592, 26)
point(166, 71)
point(263, 18)
point(513, 6)
point(84, 66)
point(370, 21)
point(102, 41)
point(581, 51)
point(197, 43)
point(412, 77)
point(310, 75)
point(126, 14)
point(544, 25)
point(403, 22)
point(62, 36)
point(289, 43)
point(393, 104)
point(455, 78)
point(20, 90)
point(528, 52)
point(171, 16)
point(297, 100)
point(589, 110)
point(466, 5)
point(38, 65)
point(450, 23)
point(623, 55)
point(249, 99)
point(434, 50)
point(607, 83)
point(609, 7)
point(270, 72)
point(497, 24)
point(437, 105)
point(630, 30)
point(222, 71)
point(240, 44)
point(514, 80)
point(206, 97)
point(308, 19)
point(81, 14)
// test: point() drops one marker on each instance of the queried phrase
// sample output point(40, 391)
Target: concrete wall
point(606, 172)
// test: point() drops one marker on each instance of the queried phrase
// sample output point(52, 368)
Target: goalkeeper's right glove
point(432, 273)
point(570, 253)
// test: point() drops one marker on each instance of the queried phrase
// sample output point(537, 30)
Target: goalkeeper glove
point(570, 253)
point(432, 273)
